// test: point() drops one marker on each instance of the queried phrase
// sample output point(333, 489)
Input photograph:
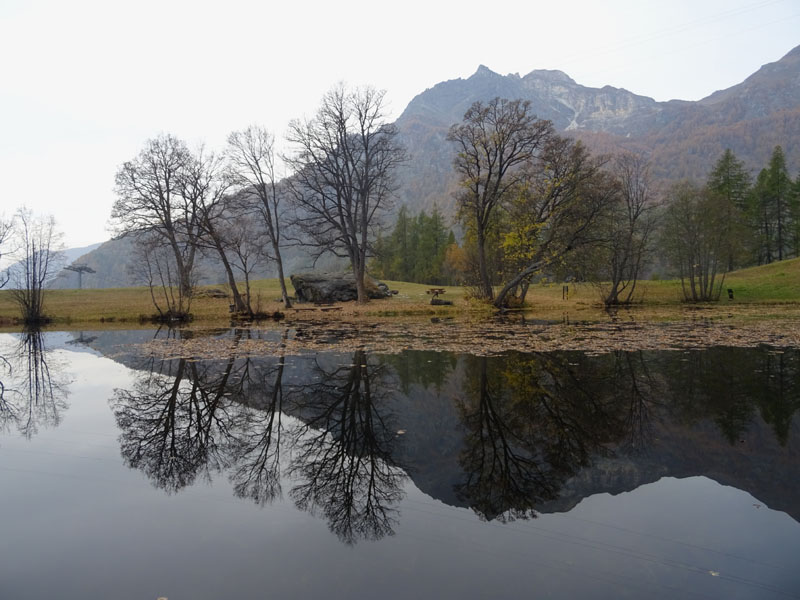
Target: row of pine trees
point(767, 209)
point(420, 248)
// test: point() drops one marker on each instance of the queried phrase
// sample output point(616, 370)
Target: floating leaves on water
point(488, 338)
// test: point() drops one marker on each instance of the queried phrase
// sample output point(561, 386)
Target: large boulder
point(334, 287)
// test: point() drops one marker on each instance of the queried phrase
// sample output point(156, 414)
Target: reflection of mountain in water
point(506, 436)
point(613, 422)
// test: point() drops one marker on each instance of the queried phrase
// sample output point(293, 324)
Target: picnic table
point(322, 306)
point(435, 292)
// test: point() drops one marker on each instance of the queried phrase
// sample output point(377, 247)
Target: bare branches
point(251, 159)
point(629, 229)
point(694, 238)
point(39, 249)
point(157, 193)
point(343, 174)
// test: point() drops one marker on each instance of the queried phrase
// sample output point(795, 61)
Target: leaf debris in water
point(486, 338)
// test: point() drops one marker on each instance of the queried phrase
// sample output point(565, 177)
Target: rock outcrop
point(334, 287)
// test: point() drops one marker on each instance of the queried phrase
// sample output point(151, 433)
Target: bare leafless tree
point(693, 238)
point(150, 199)
point(342, 178)
point(154, 265)
point(251, 156)
point(244, 245)
point(205, 183)
point(628, 229)
point(39, 250)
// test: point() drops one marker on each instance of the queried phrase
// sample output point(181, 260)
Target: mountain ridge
point(682, 138)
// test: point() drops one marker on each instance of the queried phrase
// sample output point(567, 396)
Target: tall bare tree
point(494, 141)
point(251, 156)
point(693, 238)
point(150, 199)
point(627, 230)
point(343, 174)
point(205, 183)
point(39, 249)
point(244, 248)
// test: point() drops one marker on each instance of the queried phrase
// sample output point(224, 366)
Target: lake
point(415, 474)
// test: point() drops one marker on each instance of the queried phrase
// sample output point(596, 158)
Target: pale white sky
point(84, 83)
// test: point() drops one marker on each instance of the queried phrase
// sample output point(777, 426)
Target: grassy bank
point(770, 285)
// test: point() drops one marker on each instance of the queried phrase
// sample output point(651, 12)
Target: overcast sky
point(84, 84)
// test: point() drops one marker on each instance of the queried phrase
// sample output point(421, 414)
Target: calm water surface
point(419, 475)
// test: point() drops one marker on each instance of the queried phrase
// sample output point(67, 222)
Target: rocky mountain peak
point(484, 71)
point(551, 76)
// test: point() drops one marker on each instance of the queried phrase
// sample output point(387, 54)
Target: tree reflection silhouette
point(256, 472)
point(343, 452)
point(729, 385)
point(36, 389)
point(176, 423)
point(526, 423)
point(533, 420)
point(188, 418)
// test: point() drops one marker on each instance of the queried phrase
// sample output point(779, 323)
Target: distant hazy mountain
point(73, 255)
point(682, 139)
point(67, 257)
point(111, 260)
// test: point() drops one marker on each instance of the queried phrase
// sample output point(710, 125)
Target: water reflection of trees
point(34, 388)
point(533, 420)
point(731, 385)
point(176, 421)
point(530, 422)
point(187, 418)
point(343, 452)
point(256, 451)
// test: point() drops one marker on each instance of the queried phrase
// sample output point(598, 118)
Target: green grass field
point(777, 283)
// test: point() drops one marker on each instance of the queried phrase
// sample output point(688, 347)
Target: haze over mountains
point(683, 139)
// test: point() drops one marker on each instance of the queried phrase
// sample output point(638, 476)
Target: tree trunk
point(238, 302)
point(500, 300)
point(485, 282)
point(361, 289)
point(287, 303)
